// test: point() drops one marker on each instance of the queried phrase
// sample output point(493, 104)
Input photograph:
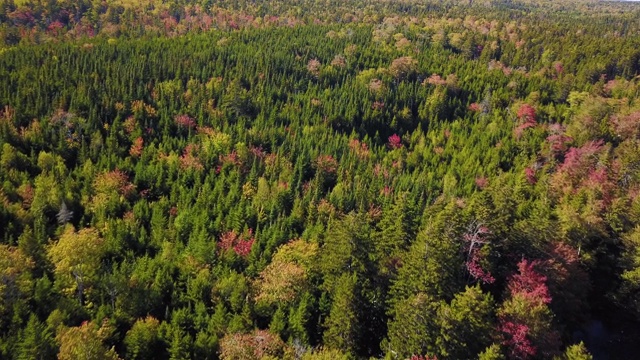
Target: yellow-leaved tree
point(15, 278)
point(85, 342)
point(76, 256)
point(288, 274)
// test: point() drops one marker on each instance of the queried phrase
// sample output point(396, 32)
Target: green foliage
point(577, 352)
point(342, 323)
point(491, 353)
point(143, 339)
point(413, 329)
point(37, 341)
point(465, 325)
point(361, 178)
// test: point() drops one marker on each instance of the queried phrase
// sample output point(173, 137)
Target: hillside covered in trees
point(306, 179)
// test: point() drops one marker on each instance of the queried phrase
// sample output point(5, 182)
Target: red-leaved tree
point(525, 318)
point(240, 244)
point(425, 357)
point(527, 112)
point(394, 142)
point(475, 239)
point(527, 115)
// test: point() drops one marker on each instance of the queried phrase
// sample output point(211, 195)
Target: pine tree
point(37, 341)
point(342, 324)
point(413, 327)
point(465, 325)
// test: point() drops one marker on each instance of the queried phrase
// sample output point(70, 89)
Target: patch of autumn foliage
point(394, 142)
point(403, 67)
point(240, 244)
point(525, 318)
point(256, 345)
point(326, 164)
point(288, 273)
point(527, 116)
point(185, 122)
point(190, 159)
point(359, 148)
point(136, 147)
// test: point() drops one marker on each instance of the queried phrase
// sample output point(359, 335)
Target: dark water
point(612, 339)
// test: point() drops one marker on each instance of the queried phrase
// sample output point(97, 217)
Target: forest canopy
point(299, 179)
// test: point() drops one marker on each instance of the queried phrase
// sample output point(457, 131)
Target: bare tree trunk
point(80, 283)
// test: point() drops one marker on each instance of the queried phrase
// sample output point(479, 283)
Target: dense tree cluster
point(318, 180)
